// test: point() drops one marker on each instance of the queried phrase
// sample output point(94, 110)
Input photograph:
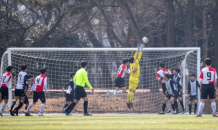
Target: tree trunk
point(215, 30)
point(204, 30)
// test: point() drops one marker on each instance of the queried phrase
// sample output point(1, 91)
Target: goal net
point(102, 68)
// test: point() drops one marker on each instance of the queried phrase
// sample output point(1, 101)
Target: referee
point(80, 80)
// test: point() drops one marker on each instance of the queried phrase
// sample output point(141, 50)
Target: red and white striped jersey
point(5, 80)
point(161, 73)
point(208, 75)
point(40, 83)
point(122, 71)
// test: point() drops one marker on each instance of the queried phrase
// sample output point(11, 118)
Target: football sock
point(201, 108)
point(3, 107)
point(213, 106)
point(42, 108)
point(119, 91)
point(190, 108)
point(176, 105)
point(131, 96)
point(12, 105)
point(25, 107)
point(29, 107)
point(70, 107)
point(163, 107)
point(65, 105)
point(19, 106)
point(168, 105)
point(173, 106)
point(128, 97)
point(85, 106)
point(181, 103)
point(195, 109)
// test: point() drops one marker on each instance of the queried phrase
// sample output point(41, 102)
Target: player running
point(70, 91)
point(80, 79)
point(119, 81)
point(20, 90)
point(193, 85)
point(169, 93)
point(178, 90)
point(160, 75)
point(39, 84)
point(5, 86)
point(208, 82)
point(133, 79)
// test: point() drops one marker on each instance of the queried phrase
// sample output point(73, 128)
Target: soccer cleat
point(131, 106)
point(15, 112)
point(215, 115)
point(87, 114)
point(11, 112)
point(198, 115)
point(128, 105)
point(114, 93)
point(177, 111)
point(161, 112)
point(169, 111)
point(40, 114)
point(66, 113)
point(70, 114)
point(108, 94)
point(174, 112)
point(27, 114)
point(183, 112)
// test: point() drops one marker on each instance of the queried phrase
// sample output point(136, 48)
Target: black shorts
point(39, 95)
point(119, 82)
point(191, 98)
point(169, 96)
point(4, 92)
point(164, 88)
point(177, 94)
point(19, 92)
point(208, 89)
point(69, 97)
point(26, 100)
point(80, 92)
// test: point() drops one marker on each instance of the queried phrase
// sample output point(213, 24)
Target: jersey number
point(20, 75)
point(3, 78)
point(38, 80)
point(208, 75)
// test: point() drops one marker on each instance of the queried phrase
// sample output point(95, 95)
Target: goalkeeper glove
point(141, 47)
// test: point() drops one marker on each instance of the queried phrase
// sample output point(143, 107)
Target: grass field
point(108, 122)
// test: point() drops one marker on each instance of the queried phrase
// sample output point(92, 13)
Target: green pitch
point(108, 122)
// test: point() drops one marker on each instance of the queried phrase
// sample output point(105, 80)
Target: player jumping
point(193, 85)
point(119, 81)
point(208, 82)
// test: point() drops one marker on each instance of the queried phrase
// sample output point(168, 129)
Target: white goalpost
point(102, 67)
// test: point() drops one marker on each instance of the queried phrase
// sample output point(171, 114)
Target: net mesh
point(102, 69)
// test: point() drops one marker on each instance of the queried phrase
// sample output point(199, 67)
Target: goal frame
point(190, 49)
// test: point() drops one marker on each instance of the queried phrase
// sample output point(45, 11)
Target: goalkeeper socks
point(128, 97)
point(19, 106)
point(163, 107)
point(190, 108)
point(173, 106)
point(12, 105)
point(176, 105)
point(29, 107)
point(131, 96)
point(201, 108)
point(70, 107)
point(213, 106)
point(181, 103)
point(65, 105)
point(195, 109)
point(85, 106)
point(118, 92)
point(42, 108)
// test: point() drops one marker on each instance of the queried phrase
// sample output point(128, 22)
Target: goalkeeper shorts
point(133, 84)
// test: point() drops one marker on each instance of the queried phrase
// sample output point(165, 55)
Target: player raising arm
point(80, 79)
point(208, 82)
point(133, 79)
point(39, 84)
point(119, 81)
point(5, 86)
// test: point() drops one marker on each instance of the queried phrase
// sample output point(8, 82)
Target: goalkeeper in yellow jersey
point(133, 79)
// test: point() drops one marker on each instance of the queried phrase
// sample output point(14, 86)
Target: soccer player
point(208, 82)
point(70, 92)
point(169, 93)
point(160, 75)
point(119, 81)
point(39, 84)
point(20, 90)
point(193, 85)
point(178, 90)
point(133, 79)
point(5, 86)
point(80, 79)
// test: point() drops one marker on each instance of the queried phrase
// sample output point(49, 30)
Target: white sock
point(168, 105)
point(213, 106)
point(3, 107)
point(119, 91)
point(201, 107)
point(29, 107)
point(42, 108)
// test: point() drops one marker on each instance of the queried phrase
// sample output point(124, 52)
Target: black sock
point(163, 107)
point(70, 107)
point(196, 107)
point(19, 106)
point(181, 103)
point(190, 108)
point(85, 106)
point(173, 106)
point(176, 105)
point(12, 105)
point(26, 107)
point(65, 105)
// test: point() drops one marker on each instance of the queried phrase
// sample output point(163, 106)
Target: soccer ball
point(145, 40)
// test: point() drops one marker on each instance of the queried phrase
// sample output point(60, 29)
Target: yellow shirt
point(81, 78)
point(136, 65)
